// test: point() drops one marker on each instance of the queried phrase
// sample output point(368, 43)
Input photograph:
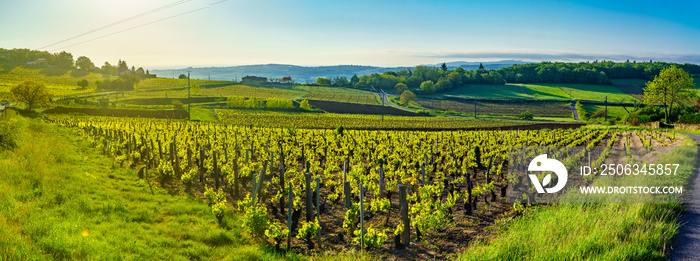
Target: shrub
point(690, 119)
point(423, 112)
point(340, 130)
point(372, 237)
point(526, 115)
point(582, 113)
point(406, 97)
point(305, 105)
point(275, 103)
point(235, 101)
point(600, 113)
point(255, 221)
point(178, 104)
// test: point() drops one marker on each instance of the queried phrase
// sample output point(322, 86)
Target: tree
point(63, 60)
point(122, 67)
point(400, 87)
point(481, 66)
point(83, 83)
point(340, 81)
point(406, 97)
point(108, 69)
point(84, 63)
point(323, 81)
point(427, 88)
point(354, 79)
point(305, 105)
point(32, 94)
point(140, 71)
point(672, 86)
point(182, 76)
point(444, 67)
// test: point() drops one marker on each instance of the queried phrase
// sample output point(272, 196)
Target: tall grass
point(610, 231)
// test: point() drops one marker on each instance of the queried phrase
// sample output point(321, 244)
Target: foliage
point(372, 238)
point(83, 83)
point(276, 103)
point(427, 88)
point(182, 76)
point(304, 104)
point(406, 97)
point(125, 82)
point(84, 63)
point(323, 81)
point(276, 233)
point(8, 135)
point(351, 216)
point(255, 220)
point(308, 229)
point(178, 105)
point(526, 115)
point(399, 88)
point(690, 118)
point(32, 94)
point(582, 113)
point(673, 86)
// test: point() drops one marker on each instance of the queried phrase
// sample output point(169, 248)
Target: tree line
point(64, 60)
point(429, 80)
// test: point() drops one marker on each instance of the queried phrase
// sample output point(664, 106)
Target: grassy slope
point(59, 199)
point(613, 111)
point(591, 231)
point(541, 91)
point(59, 82)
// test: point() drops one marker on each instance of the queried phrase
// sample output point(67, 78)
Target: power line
point(131, 28)
point(141, 25)
point(120, 21)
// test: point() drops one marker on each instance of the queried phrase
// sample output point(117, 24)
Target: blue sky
point(383, 33)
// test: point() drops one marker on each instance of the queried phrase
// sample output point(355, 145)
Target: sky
point(161, 34)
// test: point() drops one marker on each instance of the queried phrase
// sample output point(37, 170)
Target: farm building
point(253, 80)
point(40, 61)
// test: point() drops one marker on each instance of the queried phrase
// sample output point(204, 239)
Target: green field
point(613, 111)
point(59, 82)
point(540, 91)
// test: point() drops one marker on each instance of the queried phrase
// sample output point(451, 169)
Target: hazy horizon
point(170, 34)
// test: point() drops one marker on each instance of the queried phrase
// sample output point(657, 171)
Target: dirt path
point(573, 109)
point(687, 242)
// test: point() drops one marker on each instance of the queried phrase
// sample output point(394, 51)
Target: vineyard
point(331, 120)
point(311, 189)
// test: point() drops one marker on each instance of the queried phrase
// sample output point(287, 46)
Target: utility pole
point(606, 108)
point(189, 102)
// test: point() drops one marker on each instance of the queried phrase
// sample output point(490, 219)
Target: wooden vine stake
point(290, 198)
point(362, 220)
point(318, 208)
point(403, 212)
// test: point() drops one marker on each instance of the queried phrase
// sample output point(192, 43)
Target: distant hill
point(305, 74)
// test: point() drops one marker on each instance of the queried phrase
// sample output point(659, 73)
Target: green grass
point(515, 91)
point(613, 111)
point(541, 91)
point(595, 92)
point(59, 199)
point(202, 114)
point(590, 231)
point(59, 82)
